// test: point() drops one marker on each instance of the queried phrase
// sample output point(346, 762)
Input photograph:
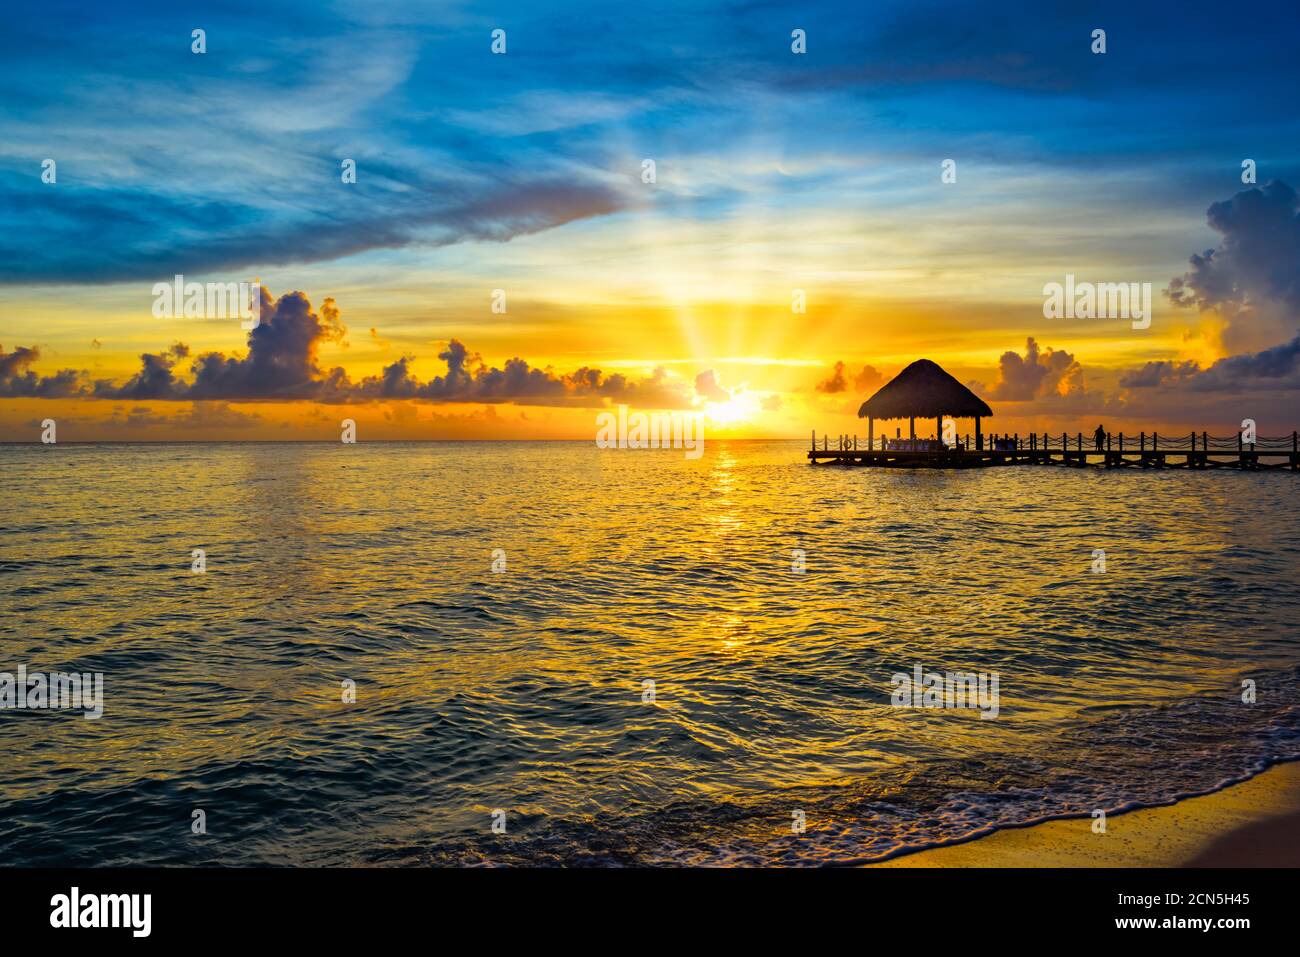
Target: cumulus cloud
point(708, 385)
point(282, 364)
point(1268, 367)
point(869, 378)
point(17, 380)
point(155, 380)
point(1039, 372)
point(1275, 368)
point(469, 379)
point(1250, 281)
point(1155, 374)
point(836, 381)
point(1258, 256)
point(282, 356)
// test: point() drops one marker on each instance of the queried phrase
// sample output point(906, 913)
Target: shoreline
point(1254, 823)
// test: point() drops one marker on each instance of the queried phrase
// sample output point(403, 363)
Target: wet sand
point(1252, 824)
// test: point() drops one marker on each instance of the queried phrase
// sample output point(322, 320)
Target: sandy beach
point(1252, 824)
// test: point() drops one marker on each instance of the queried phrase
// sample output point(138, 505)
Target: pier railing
point(1078, 442)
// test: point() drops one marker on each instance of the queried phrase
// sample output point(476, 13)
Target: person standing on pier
point(1100, 436)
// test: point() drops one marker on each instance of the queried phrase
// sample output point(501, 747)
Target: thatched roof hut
point(924, 390)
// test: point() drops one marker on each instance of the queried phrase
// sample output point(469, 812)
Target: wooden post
point(1121, 441)
point(1142, 441)
point(911, 427)
point(938, 428)
point(979, 439)
point(1155, 441)
point(814, 445)
point(1193, 441)
point(1107, 441)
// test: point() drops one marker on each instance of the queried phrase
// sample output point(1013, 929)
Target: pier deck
point(1142, 451)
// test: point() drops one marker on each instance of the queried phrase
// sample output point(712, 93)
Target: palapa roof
point(923, 391)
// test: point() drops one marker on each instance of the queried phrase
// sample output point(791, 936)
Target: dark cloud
point(1035, 374)
point(18, 381)
point(469, 379)
point(12, 363)
point(866, 380)
point(835, 383)
point(1275, 368)
point(656, 392)
point(1155, 374)
point(710, 388)
point(1257, 259)
point(282, 364)
point(155, 380)
point(282, 357)
point(115, 235)
point(1269, 367)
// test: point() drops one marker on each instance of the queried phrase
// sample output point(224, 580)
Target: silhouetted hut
point(923, 390)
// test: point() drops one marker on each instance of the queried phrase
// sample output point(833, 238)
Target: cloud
point(868, 379)
point(1258, 256)
point(708, 386)
point(836, 381)
point(1036, 374)
point(1277, 367)
point(201, 415)
point(469, 379)
point(1269, 368)
point(155, 380)
point(116, 235)
point(18, 381)
point(282, 356)
point(283, 364)
point(1155, 374)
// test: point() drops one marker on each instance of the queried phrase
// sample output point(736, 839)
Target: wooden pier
point(1194, 451)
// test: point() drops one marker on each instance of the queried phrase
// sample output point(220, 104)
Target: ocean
point(563, 655)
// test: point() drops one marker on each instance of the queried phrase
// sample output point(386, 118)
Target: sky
point(506, 264)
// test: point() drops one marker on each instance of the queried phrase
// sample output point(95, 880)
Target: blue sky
point(230, 159)
point(477, 171)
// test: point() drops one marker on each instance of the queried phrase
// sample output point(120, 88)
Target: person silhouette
point(1100, 436)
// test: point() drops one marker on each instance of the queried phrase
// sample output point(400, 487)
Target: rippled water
point(522, 690)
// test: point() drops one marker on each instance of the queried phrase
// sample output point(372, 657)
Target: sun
point(736, 410)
